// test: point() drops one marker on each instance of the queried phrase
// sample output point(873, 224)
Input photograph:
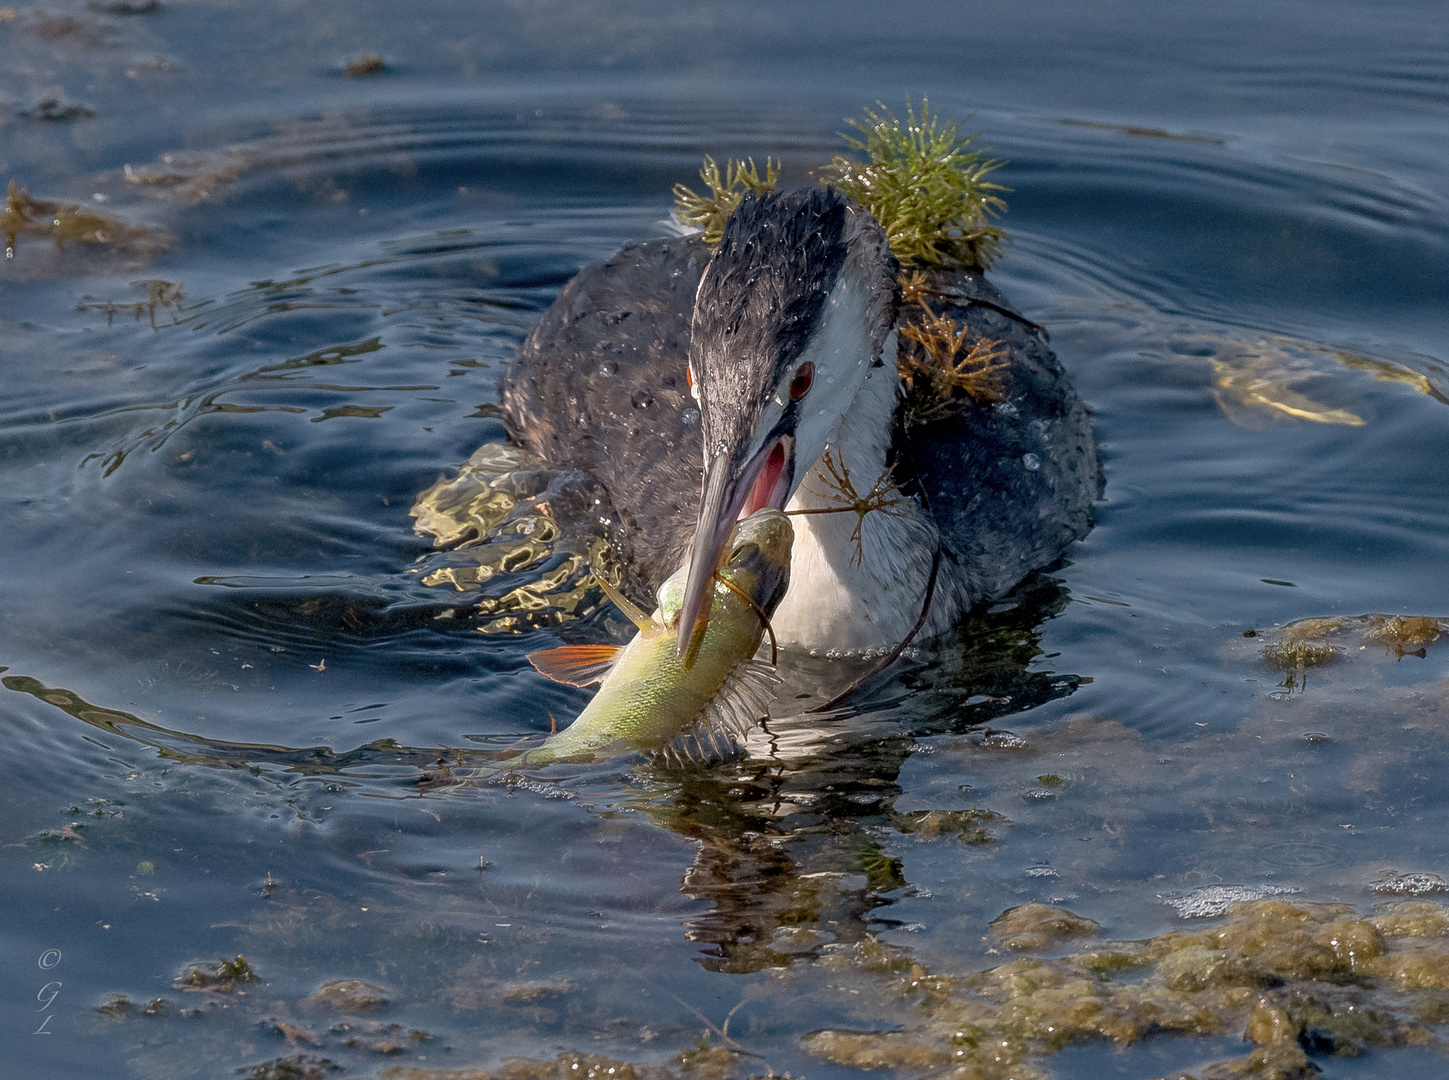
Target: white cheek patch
point(844, 346)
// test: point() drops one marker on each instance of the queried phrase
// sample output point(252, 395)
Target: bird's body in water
point(695, 387)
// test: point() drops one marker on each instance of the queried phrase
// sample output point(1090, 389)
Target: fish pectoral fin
point(742, 701)
point(575, 665)
point(636, 615)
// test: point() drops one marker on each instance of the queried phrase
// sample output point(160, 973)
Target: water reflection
point(521, 535)
point(1257, 382)
point(792, 844)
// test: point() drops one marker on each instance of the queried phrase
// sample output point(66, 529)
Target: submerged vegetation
point(222, 977)
point(1297, 981)
point(161, 295)
point(1307, 643)
point(1295, 655)
point(69, 223)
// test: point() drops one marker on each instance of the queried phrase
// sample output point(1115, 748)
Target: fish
point(700, 704)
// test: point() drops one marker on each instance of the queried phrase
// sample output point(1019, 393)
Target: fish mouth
point(760, 561)
point(730, 494)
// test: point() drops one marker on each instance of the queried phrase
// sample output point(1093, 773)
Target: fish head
point(756, 561)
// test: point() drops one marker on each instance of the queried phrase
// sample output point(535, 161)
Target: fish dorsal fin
point(636, 616)
point(575, 665)
point(725, 724)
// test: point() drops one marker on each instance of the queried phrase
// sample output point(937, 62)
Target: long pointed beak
point(729, 494)
point(710, 537)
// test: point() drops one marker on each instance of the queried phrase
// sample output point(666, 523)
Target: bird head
point(790, 319)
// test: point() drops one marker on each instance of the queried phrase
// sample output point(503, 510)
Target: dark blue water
point(224, 667)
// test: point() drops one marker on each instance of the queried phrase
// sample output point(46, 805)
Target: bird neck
point(857, 582)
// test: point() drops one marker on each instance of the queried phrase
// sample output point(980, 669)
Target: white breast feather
point(845, 600)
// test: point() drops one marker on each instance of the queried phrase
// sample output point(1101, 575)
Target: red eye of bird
point(800, 384)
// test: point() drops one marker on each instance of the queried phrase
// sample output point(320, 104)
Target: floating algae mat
point(104, 239)
point(1291, 978)
point(1294, 980)
point(1268, 988)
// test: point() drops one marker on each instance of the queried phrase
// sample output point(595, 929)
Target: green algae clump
point(222, 977)
point(118, 1005)
point(1033, 927)
point(349, 995)
point(1412, 918)
point(706, 1062)
point(1304, 643)
point(1198, 967)
point(968, 826)
point(874, 1050)
point(925, 187)
point(920, 180)
point(1299, 981)
point(1296, 654)
point(710, 212)
point(1406, 633)
point(293, 1067)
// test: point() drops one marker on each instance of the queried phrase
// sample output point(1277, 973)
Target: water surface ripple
point(235, 709)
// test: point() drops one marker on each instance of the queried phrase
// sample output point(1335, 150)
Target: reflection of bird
point(775, 355)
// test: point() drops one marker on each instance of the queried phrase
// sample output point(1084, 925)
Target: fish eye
point(745, 551)
point(800, 384)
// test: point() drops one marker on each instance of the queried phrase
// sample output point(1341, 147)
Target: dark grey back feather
point(1009, 485)
point(599, 385)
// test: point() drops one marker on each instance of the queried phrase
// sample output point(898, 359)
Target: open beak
point(731, 493)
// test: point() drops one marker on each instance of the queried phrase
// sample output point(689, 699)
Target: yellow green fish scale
point(651, 695)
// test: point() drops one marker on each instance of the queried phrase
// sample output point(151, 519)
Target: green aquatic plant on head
point(925, 187)
point(710, 211)
point(921, 181)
